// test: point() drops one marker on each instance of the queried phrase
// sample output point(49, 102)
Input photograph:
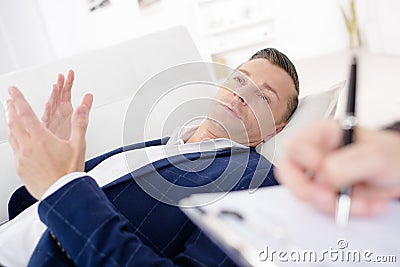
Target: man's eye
point(239, 80)
point(265, 98)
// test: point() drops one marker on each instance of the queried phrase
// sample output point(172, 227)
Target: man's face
point(252, 101)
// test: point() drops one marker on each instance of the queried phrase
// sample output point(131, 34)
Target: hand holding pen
point(371, 164)
point(359, 162)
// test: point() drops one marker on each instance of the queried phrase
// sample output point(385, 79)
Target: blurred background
point(33, 32)
point(320, 36)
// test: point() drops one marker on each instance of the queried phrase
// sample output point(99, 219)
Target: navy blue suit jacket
point(121, 225)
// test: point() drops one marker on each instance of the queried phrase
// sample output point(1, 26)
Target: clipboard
point(262, 229)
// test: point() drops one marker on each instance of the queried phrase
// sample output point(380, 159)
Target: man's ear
point(280, 126)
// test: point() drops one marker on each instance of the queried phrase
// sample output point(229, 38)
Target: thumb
point(80, 120)
point(88, 100)
point(79, 124)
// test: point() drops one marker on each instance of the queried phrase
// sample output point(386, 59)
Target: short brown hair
point(281, 60)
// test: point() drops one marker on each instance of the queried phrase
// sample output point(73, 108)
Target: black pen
point(344, 201)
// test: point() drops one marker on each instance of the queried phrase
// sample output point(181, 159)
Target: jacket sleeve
point(19, 201)
point(93, 233)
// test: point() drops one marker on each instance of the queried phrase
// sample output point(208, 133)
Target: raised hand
point(58, 109)
point(41, 156)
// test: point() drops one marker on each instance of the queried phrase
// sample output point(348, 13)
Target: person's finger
point(79, 124)
point(14, 144)
point(294, 178)
point(303, 186)
point(371, 155)
point(16, 132)
point(66, 91)
point(88, 101)
point(323, 198)
point(361, 206)
point(80, 120)
point(327, 134)
point(351, 164)
point(60, 85)
point(54, 95)
point(370, 191)
point(46, 114)
point(308, 156)
point(307, 188)
point(25, 113)
point(10, 121)
point(308, 148)
point(50, 104)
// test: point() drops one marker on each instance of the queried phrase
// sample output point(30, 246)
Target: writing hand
point(316, 167)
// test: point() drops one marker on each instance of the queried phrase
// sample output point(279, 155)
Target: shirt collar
point(182, 134)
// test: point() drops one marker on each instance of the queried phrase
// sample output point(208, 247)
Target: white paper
point(275, 221)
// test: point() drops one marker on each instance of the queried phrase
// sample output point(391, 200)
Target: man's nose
point(238, 98)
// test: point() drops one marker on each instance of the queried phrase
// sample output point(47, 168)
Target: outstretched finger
point(60, 85)
point(46, 114)
point(54, 95)
point(80, 121)
point(14, 144)
point(50, 105)
point(88, 101)
point(66, 90)
point(16, 131)
point(25, 113)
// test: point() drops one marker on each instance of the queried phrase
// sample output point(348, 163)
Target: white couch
point(112, 74)
point(115, 74)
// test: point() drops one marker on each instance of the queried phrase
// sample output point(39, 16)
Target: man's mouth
point(231, 110)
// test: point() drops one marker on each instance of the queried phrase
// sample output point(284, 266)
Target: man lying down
point(94, 213)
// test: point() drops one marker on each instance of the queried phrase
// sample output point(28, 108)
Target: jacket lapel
point(90, 164)
point(174, 161)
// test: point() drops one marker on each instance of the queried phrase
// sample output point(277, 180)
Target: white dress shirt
point(19, 237)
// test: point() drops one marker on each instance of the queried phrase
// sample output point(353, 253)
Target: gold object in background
point(352, 26)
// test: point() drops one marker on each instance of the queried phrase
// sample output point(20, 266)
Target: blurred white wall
point(379, 20)
point(310, 27)
point(66, 23)
point(23, 38)
point(34, 32)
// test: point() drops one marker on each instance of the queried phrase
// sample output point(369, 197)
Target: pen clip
point(349, 122)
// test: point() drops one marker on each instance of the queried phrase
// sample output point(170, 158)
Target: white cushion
point(112, 74)
point(311, 108)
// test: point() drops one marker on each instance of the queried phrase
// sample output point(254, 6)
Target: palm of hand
point(58, 110)
point(59, 120)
